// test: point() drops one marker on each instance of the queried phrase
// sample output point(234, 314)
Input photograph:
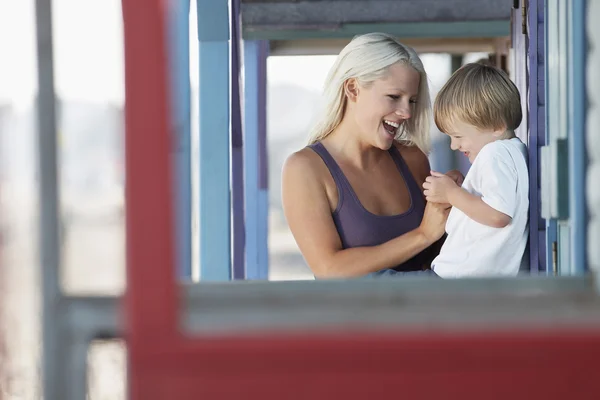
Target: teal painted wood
point(257, 255)
point(179, 33)
point(213, 20)
point(566, 104)
point(214, 141)
point(577, 153)
point(474, 29)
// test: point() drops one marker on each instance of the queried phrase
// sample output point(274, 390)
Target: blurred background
point(89, 79)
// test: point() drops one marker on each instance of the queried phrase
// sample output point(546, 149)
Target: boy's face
point(469, 139)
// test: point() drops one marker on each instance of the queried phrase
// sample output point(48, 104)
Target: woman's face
point(380, 108)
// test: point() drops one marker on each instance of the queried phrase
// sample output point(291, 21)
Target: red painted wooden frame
point(163, 364)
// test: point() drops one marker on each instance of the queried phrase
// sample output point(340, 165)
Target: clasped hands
point(437, 186)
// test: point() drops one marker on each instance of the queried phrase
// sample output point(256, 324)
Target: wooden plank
point(214, 117)
point(592, 137)
point(54, 387)
point(255, 107)
point(237, 146)
point(150, 297)
point(461, 29)
point(390, 303)
point(536, 90)
point(424, 365)
point(577, 162)
point(179, 57)
point(327, 12)
point(421, 45)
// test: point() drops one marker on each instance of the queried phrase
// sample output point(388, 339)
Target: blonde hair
point(479, 95)
point(367, 58)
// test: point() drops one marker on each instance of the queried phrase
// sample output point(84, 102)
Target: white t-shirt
point(500, 176)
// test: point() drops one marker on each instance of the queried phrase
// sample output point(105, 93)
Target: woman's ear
point(351, 89)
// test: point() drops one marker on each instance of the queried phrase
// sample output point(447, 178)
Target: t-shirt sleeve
point(499, 182)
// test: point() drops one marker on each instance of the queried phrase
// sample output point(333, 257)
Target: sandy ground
point(93, 264)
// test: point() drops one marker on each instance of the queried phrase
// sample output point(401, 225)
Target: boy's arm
point(495, 181)
point(476, 209)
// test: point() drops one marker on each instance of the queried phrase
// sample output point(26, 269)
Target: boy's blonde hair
point(479, 95)
point(367, 58)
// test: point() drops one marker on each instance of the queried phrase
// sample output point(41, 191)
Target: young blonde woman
point(353, 197)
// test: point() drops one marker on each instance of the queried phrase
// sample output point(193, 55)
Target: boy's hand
point(456, 176)
point(437, 186)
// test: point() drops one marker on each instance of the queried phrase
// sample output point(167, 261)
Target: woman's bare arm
point(308, 214)
point(419, 167)
point(417, 162)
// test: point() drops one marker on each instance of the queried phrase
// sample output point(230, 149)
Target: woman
point(353, 197)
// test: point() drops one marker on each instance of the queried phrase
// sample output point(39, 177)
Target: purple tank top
point(358, 227)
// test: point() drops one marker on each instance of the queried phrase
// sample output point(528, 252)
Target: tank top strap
point(342, 184)
point(411, 183)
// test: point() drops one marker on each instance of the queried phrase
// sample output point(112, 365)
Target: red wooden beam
point(478, 365)
point(150, 298)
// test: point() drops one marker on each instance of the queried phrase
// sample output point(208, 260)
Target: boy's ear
point(499, 132)
point(351, 89)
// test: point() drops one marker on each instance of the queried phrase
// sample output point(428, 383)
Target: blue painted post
point(543, 262)
point(213, 48)
point(534, 110)
point(263, 166)
point(237, 147)
point(255, 156)
point(550, 28)
point(576, 144)
point(262, 231)
point(179, 33)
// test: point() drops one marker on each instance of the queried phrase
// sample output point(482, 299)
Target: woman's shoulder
point(304, 163)
point(305, 159)
point(306, 178)
point(415, 159)
point(409, 150)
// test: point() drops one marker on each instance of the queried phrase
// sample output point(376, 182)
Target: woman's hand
point(456, 176)
point(437, 187)
point(433, 224)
